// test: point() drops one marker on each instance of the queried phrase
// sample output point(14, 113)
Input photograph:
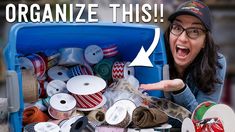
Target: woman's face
point(186, 46)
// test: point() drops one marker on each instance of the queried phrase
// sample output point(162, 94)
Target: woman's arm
point(186, 98)
point(189, 101)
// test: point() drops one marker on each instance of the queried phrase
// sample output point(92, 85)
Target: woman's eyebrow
point(177, 20)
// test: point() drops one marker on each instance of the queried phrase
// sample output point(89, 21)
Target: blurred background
point(223, 12)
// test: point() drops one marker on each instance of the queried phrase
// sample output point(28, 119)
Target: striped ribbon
point(88, 101)
point(38, 63)
point(110, 51)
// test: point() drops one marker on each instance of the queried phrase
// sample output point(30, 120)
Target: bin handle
point(12, 91)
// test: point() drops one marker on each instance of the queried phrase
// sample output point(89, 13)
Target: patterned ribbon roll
point(61, 106)
point(104, 69)
point(56, 86)
point(121, 70)
point(110, 51)
point(35, 63)
point(30, 86)
point(42, 86)
point(171, 109)
point(46, 127)
point(117, 116)
point(93, 54)
point(89, 101)
point(80, 70)
point(201, 109)
point(33, 114)
point(50, 58)
point(71, 56)
point(224, 113)
point(205, 125)
point(58, 73)
point(87, 91)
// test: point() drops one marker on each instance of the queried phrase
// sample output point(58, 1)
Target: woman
point(197, 70)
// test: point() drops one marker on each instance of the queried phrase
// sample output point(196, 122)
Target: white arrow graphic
point(142, 58)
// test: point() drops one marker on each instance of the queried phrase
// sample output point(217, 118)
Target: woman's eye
point(176, 27)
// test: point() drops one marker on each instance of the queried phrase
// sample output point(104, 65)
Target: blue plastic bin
point(26, 38)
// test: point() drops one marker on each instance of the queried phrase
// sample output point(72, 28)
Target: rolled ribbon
point(33, 114)
point(71, 56)
point(104, 69)
point(61, 106)
point(122, 70)
point(30, 86)
point(93, 54)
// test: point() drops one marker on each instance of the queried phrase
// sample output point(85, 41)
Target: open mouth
point(182, 51)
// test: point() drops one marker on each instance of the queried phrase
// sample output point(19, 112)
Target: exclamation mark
point(155, 12)
point(161, 13)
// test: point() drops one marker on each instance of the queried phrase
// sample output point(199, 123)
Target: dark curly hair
point(202, 69)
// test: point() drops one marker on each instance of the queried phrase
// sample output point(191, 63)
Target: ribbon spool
point(74, 124)
point(50, 58)
point(96, 117)
point(33, 114)
point(87, 91)
point(71, 56)
point(93, 54)
point(61, 106)
point(80, 70)
point(42, 87)
point(58, 73)
point(35, 63)
point(30, 86)
point(104, 69)
point(110, 51)
point(56, 86)
point(205, 125)
point(200, 110)
point(117, 116)
point(46, 127)
point(128, 104)
point(224, 113)
point(122, 70)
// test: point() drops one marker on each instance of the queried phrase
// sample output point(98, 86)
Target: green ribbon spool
point(104, 69)
point(201, 110)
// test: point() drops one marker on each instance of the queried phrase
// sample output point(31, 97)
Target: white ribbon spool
point(61, 105)
point(93, 54)
point(118, 116)
point(56, 86)
point(46, 127)
point(87, 91)
point(58, 73)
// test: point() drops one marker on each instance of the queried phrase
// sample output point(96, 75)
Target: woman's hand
point(165, 85)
